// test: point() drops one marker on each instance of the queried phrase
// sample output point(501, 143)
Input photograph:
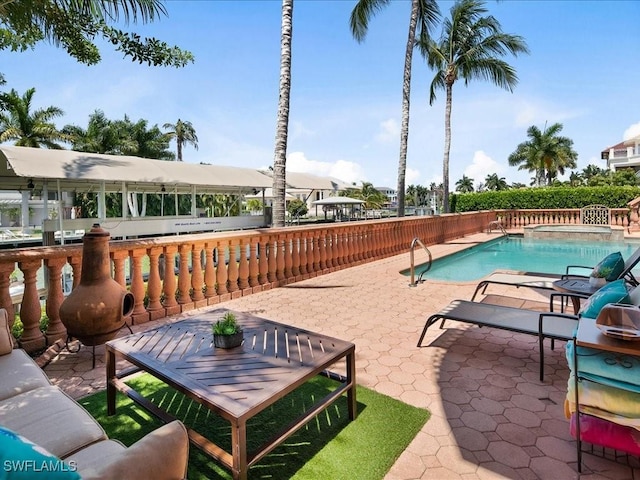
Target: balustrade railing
point(169, 275)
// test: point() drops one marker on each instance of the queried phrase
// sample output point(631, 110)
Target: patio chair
point(545, 281)
point(552, 325)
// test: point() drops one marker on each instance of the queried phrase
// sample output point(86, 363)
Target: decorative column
point(6, 269)
point(221, 270)
point(209, 273)
point(232, 268)
point(154, 284)
point(55, 297)
point(197, 279)
point(32, 338)
point(169, 288)
point(184, 280)
point(263, 265)
point(253, 262)
point(243, 266)
point(139, 314)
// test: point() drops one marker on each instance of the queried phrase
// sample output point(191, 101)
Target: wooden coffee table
point(236, 384)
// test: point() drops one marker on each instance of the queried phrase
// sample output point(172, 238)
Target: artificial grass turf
point(329, 446)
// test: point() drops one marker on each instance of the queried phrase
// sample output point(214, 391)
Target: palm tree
point(184, 133)
point(546, 153)
point(100, 136)
point(282, 124)
point(28, 129)
point(464, 185)
point(424, 12)
point(469, 49)
point(493, 182)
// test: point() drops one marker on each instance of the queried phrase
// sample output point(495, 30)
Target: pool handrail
point(414, 242)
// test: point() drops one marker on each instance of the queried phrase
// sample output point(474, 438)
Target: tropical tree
point(469, 48)
point(282, 123)
point(183, 133)
point(464, 185)
point(546, 153)
point(424, 13)
point(144, 141)
point(100, 136)
point(28, 128)
point(493, 182)
point(75, 24)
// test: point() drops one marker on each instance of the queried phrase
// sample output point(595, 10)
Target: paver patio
point(491, 416)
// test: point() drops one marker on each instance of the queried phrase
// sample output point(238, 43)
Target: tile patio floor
point(491, 416)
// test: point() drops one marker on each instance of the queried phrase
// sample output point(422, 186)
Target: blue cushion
point(610, 267)
point(614, 292)
point(21, 459)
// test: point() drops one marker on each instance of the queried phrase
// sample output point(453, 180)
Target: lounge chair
point(545, 281)
point(553, 325)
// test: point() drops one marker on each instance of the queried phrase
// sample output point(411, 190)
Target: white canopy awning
point(74, 170)
point(339, 201)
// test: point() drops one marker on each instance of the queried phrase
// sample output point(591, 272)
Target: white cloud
point(298, 130)
point(631, 132)
point(538, 112)
point(389, 131)
point(411, 176)
point(481, 166)
point(341, 169)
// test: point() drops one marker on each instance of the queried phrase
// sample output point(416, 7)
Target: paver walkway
point(491, 416)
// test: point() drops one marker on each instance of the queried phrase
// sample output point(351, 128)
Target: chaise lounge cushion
point(52, 420)
point(147, 459)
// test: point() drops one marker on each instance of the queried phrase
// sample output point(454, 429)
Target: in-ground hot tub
point(603, 233)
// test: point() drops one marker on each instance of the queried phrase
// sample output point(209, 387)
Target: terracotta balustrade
point(169, 275)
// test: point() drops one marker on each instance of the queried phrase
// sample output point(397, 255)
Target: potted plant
point(599, 278)
point(227, 332)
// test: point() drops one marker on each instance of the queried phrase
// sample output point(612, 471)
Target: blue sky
point(583, 71)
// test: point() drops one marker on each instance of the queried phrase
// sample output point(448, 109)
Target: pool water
point(517, 253)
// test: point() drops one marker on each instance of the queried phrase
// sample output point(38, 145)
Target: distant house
point(391, 194)
point(623, 155)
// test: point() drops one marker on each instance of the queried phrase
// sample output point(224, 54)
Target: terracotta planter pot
point(227, 341)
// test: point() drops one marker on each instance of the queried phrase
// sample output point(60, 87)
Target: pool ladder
point(499, 226)
point(414, 282)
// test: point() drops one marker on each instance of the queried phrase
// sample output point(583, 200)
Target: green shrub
point(544, 198)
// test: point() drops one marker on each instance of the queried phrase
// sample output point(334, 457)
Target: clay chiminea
point(94, 311)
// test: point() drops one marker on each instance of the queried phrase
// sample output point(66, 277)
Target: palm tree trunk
point(282, 125)
point(406, 98)
point(447, 148)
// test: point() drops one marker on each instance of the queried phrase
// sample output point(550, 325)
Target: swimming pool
point(517, 253)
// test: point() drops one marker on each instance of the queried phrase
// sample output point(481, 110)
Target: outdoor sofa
point(46, 434)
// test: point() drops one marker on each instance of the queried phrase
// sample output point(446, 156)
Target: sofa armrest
point(160, 455)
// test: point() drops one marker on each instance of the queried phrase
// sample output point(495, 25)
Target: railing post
point(232, 268)
point(197, 280)
point(221, 269)
point(254, 271)
point(6, 269)
point(210, 273)
point(154, 284)
point(55, 297)
point(139, 313)
point(243, 266)
point(169, 285)
point(184, 280)
point(30, 312)
point(263, 265)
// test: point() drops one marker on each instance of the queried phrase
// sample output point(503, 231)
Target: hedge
point(544, 198)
